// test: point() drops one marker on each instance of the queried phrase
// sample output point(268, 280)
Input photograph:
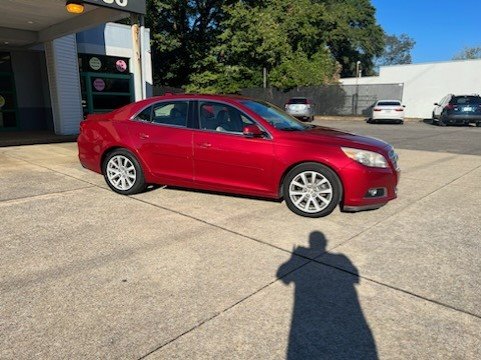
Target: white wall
point(425, 84)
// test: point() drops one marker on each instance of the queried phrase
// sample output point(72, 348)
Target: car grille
point(394, 159)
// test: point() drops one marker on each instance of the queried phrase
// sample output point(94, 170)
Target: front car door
point(224, 159)
point(163, 137)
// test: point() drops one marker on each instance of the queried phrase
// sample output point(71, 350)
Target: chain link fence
point(328, 99)
point(333, 99)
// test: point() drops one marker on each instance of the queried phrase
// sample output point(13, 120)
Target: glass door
point(106, 83)
point(103, 92)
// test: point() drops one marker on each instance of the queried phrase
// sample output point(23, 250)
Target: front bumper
point(359, 179)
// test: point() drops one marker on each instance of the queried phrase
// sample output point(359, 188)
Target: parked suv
point(457, 110)
point(301, 108)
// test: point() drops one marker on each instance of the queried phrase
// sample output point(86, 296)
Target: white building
point(425, 84)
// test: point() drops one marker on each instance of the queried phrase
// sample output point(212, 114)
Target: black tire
point(322, 172)
point(434, 121)
point(138, 185)
point(401, 122)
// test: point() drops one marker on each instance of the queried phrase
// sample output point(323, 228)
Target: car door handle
point(143, 136)
point(205, 145)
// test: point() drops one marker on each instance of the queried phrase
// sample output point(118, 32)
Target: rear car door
point(226, 160)
point(162, 136)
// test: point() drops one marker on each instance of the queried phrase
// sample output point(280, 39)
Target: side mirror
point(404, 106)
point(252, 131)
point(436, 104)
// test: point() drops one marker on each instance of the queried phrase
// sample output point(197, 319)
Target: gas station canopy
point(29, 22)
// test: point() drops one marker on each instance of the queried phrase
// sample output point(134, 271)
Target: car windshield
point(466, 100)
point(275, 116)
point(388, 103)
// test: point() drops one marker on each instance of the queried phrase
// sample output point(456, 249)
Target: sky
point(441, 28)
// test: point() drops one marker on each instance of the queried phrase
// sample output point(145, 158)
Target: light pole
point(356, 102)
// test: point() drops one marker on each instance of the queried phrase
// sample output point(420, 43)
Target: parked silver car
point(301, 108)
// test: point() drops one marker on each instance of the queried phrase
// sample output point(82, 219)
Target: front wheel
point(123, 172)
point(312, 190)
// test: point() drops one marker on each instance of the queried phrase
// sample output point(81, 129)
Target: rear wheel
point(123, 172)
point(312, 190)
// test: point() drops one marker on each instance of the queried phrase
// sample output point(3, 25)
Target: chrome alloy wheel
point(310, 191)
point(121, 172)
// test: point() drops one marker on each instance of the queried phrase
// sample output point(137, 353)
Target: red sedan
point(237, 145)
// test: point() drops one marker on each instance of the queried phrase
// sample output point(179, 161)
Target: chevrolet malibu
point(237, 145)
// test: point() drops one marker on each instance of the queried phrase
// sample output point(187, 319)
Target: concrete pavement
point(180, 274)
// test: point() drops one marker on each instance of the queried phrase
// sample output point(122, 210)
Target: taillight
point(400, 109)
point(377, 109)
point(449, 107)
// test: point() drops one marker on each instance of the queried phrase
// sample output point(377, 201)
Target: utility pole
point(356, 101)
point(137, 56)
point(264, 73)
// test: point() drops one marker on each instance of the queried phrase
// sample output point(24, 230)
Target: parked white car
point(387, 110)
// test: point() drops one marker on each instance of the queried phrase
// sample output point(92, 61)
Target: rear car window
point(388, 103)
point(298, 101)
point(466, 100)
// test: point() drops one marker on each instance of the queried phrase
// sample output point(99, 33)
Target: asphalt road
point(418, 135)
point(175, 274)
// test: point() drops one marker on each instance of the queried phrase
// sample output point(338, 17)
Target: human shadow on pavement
point(327, 320)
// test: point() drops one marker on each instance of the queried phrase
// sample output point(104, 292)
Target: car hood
point(341, 138)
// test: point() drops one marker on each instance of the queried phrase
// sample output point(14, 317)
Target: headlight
point(368, 158)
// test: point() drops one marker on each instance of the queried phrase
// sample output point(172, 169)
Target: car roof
point(466, 95)
point(388, 100)
point(133, 108)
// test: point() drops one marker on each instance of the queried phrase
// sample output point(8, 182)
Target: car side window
point(171, 113)
point(145, 115)
point(222, 118)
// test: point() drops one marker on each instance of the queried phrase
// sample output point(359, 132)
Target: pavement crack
point(6, 201)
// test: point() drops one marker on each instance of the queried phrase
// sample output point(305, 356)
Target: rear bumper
point(359, 179)
point(461, 119)
point(301, 114)
point(388, 116)
point(88, 157)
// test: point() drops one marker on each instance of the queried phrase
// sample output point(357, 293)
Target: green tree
point(469, 53)
point(397, 50)
point(282, 36)
point(349, 29)
point(182, 32)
